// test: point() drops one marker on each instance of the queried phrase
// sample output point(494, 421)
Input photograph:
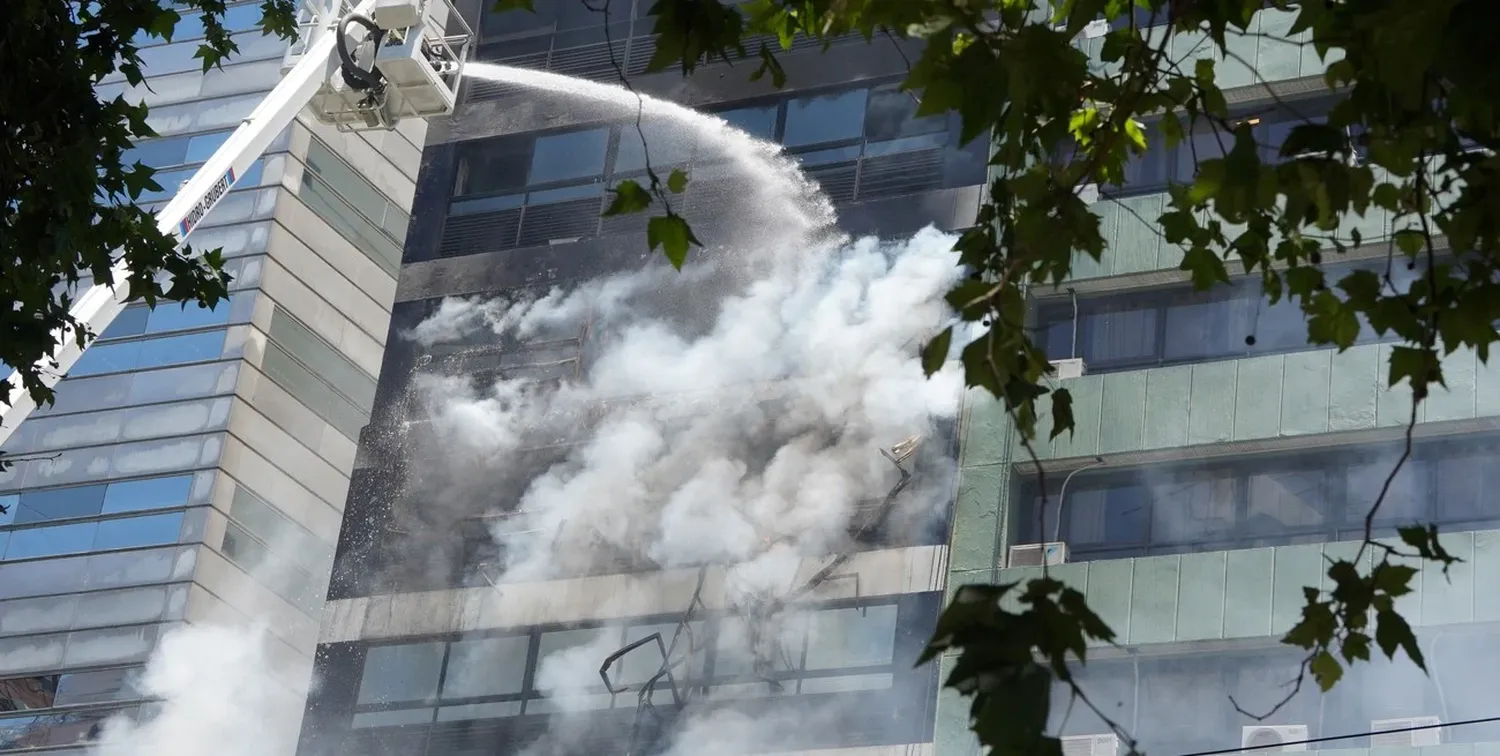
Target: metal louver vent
point(542, 224)
point(590, 61)
point(480, 90)
point(476, 234)
point(641, 50)
point(902, 173)
point(837, 181)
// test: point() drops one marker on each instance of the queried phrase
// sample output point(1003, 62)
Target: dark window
point(757, 121)
point(1178, 324)
point(1160, 166)
point(494, 165)
point(1186, 703)
point(1144, 17)
point(560, 157)
point(866, 650)
point(825, 118)
point(1268, 501)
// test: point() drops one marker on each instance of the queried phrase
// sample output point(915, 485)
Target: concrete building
point(195, 464)
point(509, 197)
point(1216, 461)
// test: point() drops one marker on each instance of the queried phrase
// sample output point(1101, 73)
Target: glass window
point(494, 165)
point(854, 637)
point(58, 539)
point(739, 652)
point(34, 692)
point(9, 503)
point(1200, 325)
point(575, 155)
point(148, 353)
point(759, 122)
point(642, 663)
point(98, 687)
point(825, 118)
point(1106, 516)
point(892, 115)
point(1193, 509)
point(60, 503)
point(174, 317)
point(1403, 503)
point(1283, 502)
point(1124, 335)
point(132, 532)
point(407, 672)
point(666, 145)
point(150, 493)
point(486, 667)
point(130, 322)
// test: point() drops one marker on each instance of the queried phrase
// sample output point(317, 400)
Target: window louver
point(902, 173)
point(477, 234)
point(837, 181)
point(541, 224)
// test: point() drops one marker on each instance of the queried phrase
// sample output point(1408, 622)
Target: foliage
point(68, 186)
point(1412, 135)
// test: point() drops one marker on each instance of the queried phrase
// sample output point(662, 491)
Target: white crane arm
point(310, 77)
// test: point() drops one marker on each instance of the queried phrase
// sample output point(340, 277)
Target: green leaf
point(1062, 413)
point(1392, 632)
point(1326, 670)
point(630, 197)
point(672, 234)
point(935, 353)
point(1393, 579)
point(677, 182)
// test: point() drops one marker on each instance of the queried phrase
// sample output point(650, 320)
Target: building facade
point(1217, 459)
point(425, 647)
point(194, 466)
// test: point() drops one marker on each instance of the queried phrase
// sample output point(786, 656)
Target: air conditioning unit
point(1072, 367)
point(1274, 738)
point(1037, 554)
point(1096, 28)
point(1091, 745)
point(1406, 737)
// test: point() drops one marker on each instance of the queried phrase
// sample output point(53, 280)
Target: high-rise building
point(1216, 462)
point(434, 641)
point(195, 464)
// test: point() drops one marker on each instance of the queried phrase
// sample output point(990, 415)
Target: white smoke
point(217, 695)
point(761, 430)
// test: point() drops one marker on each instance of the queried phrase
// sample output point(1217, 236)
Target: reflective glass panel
point(560, 157)
point(486, 667)
point(131, 532)
point(825, 118)
point(407, 672)
point(150, 493)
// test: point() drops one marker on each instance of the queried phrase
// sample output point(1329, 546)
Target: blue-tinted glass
point(169, 181)
point(58, 539)
point(158, 153)
point(906, 144)
point(106, 358)
point(194, 347)
point(667, 146)
point(759, 122)
point(130, 322)
point(151, 493)
point(169, 316)
point(493, 165)
point(563, 194)
point(60, 503)
point(401, 673)
point(236, 18)
point(569, 156)
point(826, 118)
point(9, 504)
point(823, 157)
point(487, 204)
point(153, 530)
point(202, 147)
point(893, 114)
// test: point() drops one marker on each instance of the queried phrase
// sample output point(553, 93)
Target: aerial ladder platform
point(355, 66)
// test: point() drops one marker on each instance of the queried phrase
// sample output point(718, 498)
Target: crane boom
point(424, 62)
